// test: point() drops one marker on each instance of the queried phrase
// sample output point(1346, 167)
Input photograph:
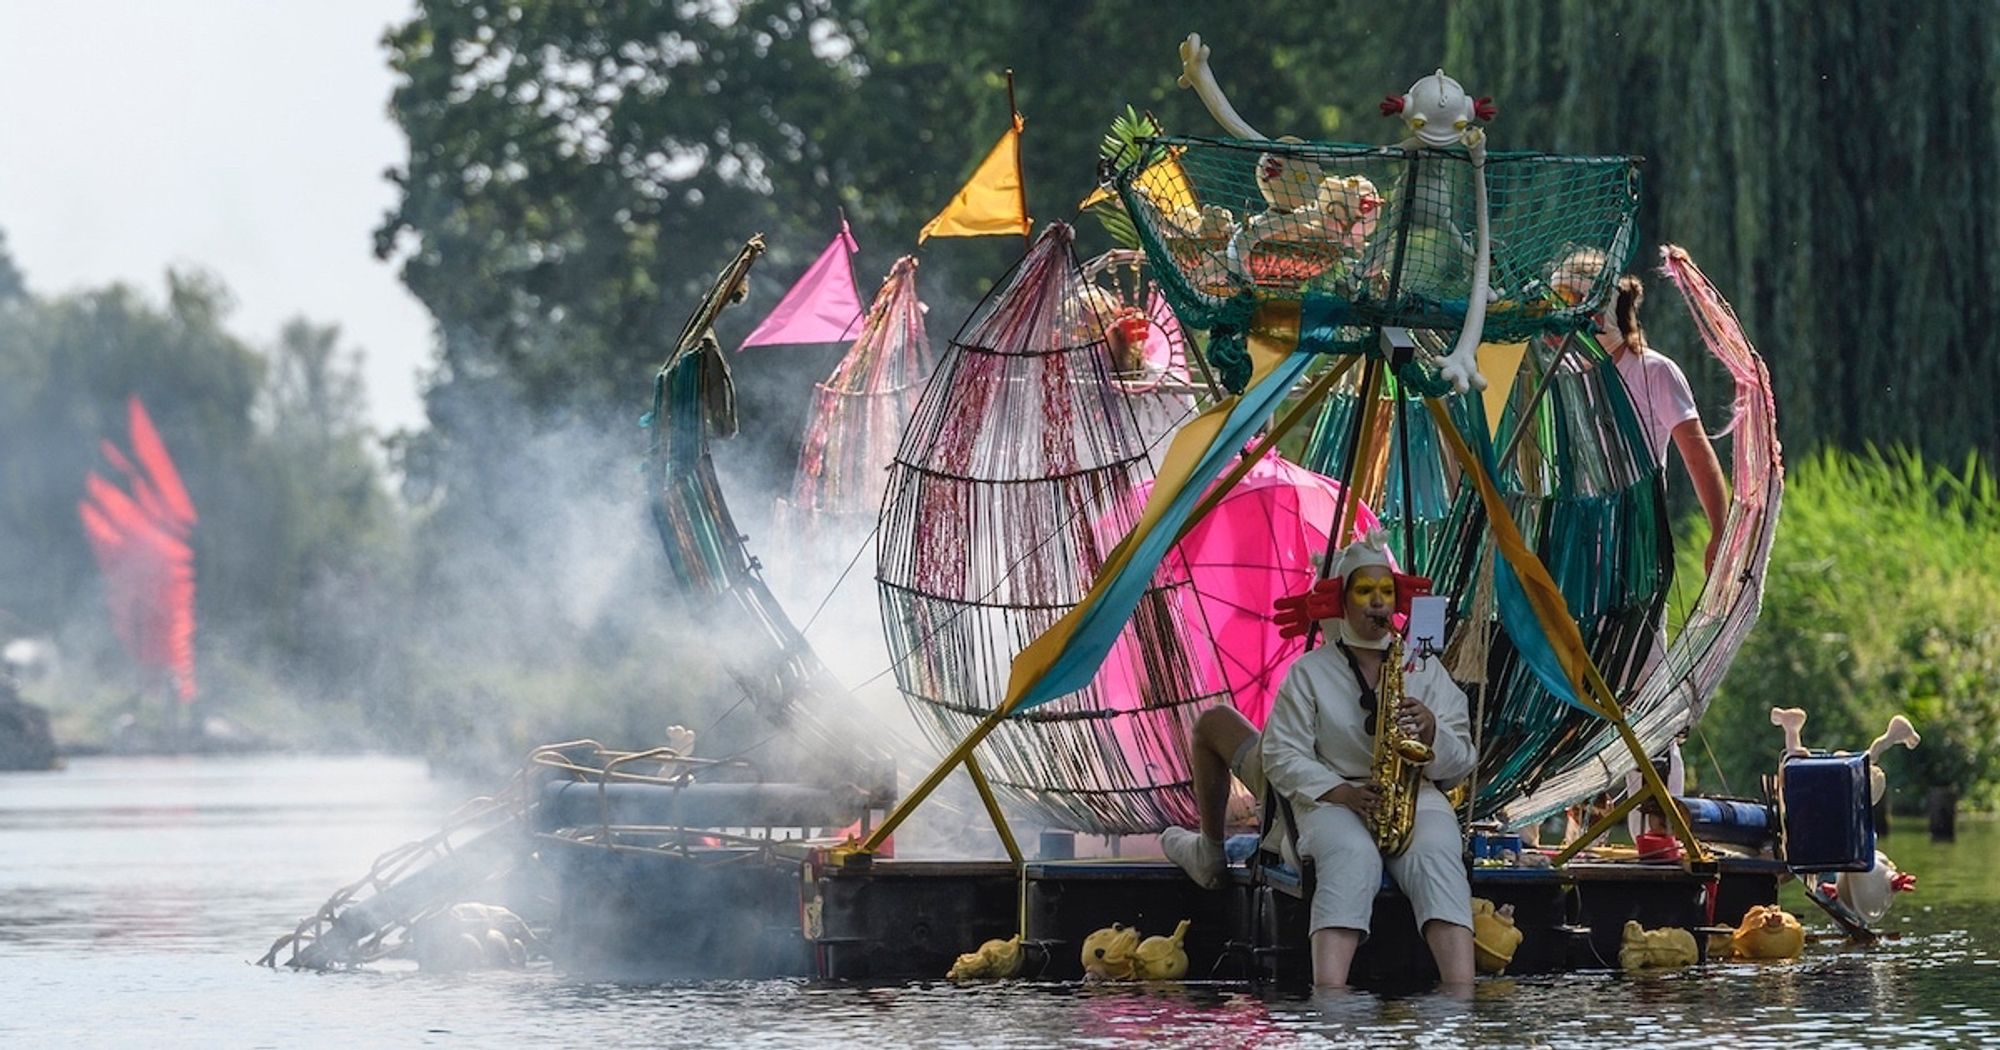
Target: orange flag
point(991, 201)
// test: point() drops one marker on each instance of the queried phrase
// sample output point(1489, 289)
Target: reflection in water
point(134, 892)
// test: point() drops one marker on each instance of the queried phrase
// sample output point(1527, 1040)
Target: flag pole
point(1020, 179)
point(853, 277)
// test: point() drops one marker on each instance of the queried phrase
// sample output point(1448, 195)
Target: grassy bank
point(1883, 598)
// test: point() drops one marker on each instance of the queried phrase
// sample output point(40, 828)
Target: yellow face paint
point(1362, 592)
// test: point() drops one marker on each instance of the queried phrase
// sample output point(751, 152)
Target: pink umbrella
point(1261, 543)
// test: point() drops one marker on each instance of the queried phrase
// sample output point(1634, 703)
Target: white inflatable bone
point(1440, 114)
point(1196, 74)
point(1792, 720)
point(1900, 731)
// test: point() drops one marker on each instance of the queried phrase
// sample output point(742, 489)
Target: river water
point(135, 892)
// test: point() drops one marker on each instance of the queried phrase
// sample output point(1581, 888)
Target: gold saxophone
point(1397, 769)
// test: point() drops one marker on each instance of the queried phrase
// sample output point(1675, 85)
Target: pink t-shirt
point(1661, 396)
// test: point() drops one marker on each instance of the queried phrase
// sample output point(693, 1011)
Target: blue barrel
point(1736, 821)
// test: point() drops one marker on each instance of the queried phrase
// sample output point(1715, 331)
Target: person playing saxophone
point(1320, 751)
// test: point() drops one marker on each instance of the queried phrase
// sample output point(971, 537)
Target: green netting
point(1369, 236)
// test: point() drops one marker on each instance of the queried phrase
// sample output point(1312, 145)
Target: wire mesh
point(1011, 487)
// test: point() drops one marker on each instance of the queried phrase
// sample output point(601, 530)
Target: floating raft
point(790, 910)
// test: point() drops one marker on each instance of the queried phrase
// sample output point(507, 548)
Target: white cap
point(1370, 550)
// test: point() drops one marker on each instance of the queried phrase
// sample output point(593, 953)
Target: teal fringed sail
point(1587, 498)
point(709, 557)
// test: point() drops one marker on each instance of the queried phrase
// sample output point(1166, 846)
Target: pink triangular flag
point(823, 307)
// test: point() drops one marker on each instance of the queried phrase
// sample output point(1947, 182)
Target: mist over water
point(135, 892)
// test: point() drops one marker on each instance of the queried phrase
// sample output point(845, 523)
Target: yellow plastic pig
point(1494, 937)
point(1768, 932)
point(1663, 949)
point(994, 960)
point(1162, 958)
point(1107, 954)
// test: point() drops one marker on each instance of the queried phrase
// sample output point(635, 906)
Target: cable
point(835, 589)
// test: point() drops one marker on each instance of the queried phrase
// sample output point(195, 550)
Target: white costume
point(1315, 741)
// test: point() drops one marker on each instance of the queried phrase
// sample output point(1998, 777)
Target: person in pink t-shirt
point(1659, 390)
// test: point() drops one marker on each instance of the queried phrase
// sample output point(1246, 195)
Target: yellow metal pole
point(1649, 777)
point(993, 809)
point(1309, 400)
point(1350, 495)
point(923, 790)
point(1598, 828)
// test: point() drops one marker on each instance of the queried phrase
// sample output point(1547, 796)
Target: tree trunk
point(1944, 814)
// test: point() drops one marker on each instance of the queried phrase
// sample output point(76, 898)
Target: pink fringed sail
point(1674, 696)
point(858, 413)
point(1013, 480)
point(141, 541)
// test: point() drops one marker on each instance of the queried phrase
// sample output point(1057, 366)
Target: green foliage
point(577, 168)
point(1121, 147)
point(1118, 150)
point(1841, 210)
point(1883, 598)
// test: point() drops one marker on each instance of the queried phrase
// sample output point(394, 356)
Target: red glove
point(1903, 882)
point(1295, 613)
point(1409, 588)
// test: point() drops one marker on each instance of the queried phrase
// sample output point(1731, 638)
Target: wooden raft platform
point(785, 910)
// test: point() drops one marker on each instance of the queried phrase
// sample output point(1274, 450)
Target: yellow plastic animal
point(470, 937)
point(1107, 954)
point(1768, 932)
point(1162, 958)
point(994, 960)
point(1663, 949)
point(1494, 938)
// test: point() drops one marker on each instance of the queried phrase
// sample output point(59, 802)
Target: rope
point(1720, 776)
point(835, 589)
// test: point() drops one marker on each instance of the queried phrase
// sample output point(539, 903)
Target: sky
point(246, 137)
